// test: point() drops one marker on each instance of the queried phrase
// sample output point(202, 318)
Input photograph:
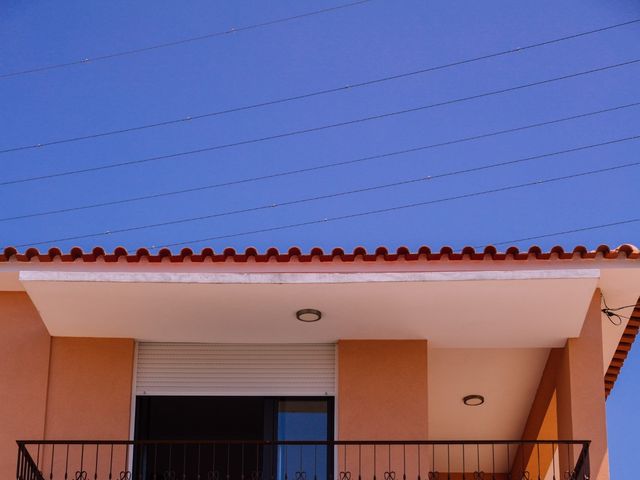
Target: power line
point(183, 41)
point(311, 94)
point(177, 192)
point(401, 207)
point(565, 232)
point(320, 128)
point(342, 217)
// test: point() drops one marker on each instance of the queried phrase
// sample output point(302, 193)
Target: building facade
point(310, 366)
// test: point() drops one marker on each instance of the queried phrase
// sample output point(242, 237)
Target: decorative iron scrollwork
point(150, 461)
point(256, 475)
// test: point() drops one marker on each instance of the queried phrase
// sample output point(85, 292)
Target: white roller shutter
point(232, 369)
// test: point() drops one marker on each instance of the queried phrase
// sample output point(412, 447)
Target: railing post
point(26, 468)
point(18, 461)
point(585, 470)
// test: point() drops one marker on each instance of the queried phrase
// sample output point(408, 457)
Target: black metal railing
point(27, 468)
point(303, 460)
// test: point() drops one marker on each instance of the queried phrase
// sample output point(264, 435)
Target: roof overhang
point(482, 309)
point(490, 318)
point(522, 297)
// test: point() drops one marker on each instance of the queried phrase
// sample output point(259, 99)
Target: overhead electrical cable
point(183, 41)
point(191, 118)
point(319, 128)
point(564, 232)
point(342, 217)
point(402, 207)
point(399, 207)
point(414, 180)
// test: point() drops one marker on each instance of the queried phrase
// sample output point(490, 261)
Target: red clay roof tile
point(381, 253)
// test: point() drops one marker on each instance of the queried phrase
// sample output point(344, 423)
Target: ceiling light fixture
point(473, 400)
point(309, 315)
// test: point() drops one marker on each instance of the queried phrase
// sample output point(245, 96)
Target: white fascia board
point(302, 278)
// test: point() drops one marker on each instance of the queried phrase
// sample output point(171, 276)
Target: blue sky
point(375, 39)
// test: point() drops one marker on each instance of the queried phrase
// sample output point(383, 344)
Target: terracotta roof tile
point(381, 253)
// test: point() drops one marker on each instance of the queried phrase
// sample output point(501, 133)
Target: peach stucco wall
point(24, 360)
point(382, 389)
point(382, 395)
point(89, 388)
point(58, 388)
point(542, 422)
point(581, 400)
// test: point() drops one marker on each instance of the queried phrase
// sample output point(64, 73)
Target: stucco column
point(382, 395)
point(542, 424)
point(580, 392)
point(90, 388)
point(90, 381)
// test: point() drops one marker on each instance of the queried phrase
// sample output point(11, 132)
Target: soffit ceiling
point(538, 309)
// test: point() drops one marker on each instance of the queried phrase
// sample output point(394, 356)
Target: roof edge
point(490, 252)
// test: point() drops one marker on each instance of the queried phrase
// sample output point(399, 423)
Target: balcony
point(302, 460)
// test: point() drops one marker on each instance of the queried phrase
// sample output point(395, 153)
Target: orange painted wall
point(382, 389)
point(581, 400)
point(382, 395)
point(89, 388)
point(89, 397)
point(24, 360)
point(542, 423)
point(570, 401)
point(58, 388)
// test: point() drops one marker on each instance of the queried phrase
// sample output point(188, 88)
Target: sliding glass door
point(229, 438)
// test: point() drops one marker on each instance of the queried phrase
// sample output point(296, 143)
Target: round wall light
point(308, 315)
point(473, 400)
